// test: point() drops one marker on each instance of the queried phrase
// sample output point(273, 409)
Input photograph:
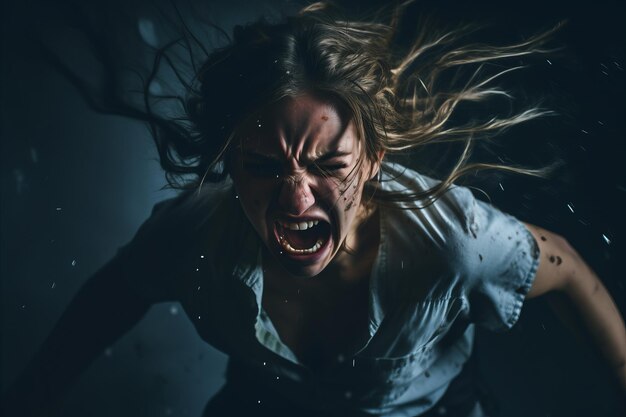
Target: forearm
point(562, 270)
point(99, 314)
point(600, 317)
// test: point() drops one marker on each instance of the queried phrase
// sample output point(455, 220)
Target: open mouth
point(302, 238)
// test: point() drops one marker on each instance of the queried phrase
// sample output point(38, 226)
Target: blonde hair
point(400, 101)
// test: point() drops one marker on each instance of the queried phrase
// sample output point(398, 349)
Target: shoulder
point(462, 239)
point(442, 224)
point(196, 205)
point(177, 231)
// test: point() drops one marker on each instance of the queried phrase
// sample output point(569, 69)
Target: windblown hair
point(400, 99)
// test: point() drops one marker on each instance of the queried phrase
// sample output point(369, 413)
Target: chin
point(304, 273)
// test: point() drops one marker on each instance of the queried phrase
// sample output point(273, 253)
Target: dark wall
point(77, 184)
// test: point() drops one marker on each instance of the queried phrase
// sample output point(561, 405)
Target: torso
point(324, 319)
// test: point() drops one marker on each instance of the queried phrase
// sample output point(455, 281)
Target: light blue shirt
point(439, 270)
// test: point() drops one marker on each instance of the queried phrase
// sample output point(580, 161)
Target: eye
point(328, 169)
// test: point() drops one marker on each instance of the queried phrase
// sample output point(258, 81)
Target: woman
point(338, 283)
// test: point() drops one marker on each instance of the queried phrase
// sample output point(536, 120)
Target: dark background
point(77, 184)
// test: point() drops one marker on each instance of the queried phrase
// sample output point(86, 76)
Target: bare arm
point(562, 269)
point(103, 310)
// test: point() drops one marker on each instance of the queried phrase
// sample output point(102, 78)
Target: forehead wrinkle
point(302, 135)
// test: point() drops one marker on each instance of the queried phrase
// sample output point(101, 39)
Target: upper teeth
point(301, 225)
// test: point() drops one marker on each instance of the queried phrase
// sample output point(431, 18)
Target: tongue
point(302, 239)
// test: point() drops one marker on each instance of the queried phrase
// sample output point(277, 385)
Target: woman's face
point(297, 175)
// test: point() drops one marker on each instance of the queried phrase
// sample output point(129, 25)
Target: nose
point(295, 196)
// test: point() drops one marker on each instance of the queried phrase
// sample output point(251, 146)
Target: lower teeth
point(289, 248)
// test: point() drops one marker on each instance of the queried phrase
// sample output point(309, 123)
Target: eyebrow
point(271, 158)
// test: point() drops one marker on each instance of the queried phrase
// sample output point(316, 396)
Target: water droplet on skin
point(236, 196)
point(264, 363)
point(199, 317)
point(277, 378)
point(197, 269)
point(202, 256)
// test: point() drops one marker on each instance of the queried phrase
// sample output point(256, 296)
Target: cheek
point(351, 195)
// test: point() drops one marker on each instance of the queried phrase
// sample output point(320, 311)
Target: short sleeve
point(499, 261)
